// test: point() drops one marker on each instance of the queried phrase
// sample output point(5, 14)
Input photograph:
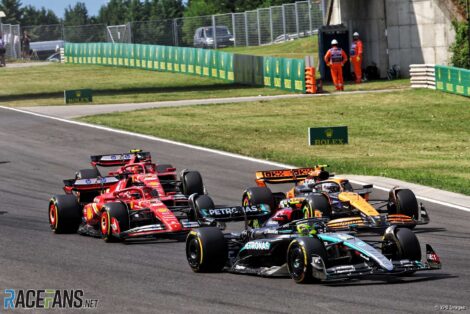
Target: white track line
point(209, 150)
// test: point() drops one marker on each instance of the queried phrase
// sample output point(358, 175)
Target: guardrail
point(281, 73)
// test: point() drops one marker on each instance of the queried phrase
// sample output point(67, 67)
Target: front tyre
point(299, 258)
point(206, 250)
point(114, 220)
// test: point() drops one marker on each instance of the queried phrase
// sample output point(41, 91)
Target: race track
point(37, 153)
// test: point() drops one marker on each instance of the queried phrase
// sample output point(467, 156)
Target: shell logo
point(162, 210)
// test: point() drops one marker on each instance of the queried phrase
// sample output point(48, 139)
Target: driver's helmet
point(306, 229)
point(330, 188)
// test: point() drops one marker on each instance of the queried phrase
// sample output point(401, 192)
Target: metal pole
point(259, 28)
point(297, 26)
point(234, 30)
point(271, 24)
point(284, 21)
point(310, 19)
point(175, 32)
point(214, 34)
point(129, 25)
point(246, 30)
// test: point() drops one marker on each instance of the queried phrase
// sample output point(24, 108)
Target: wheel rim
point(193, 252)
point(105, 224)
point(296, 262)
point(53, 216)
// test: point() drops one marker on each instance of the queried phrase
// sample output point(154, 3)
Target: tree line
point(117, 12)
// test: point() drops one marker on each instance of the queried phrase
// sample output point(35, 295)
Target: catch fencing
point(282, 73)
point(251, 28)
point(11, 37)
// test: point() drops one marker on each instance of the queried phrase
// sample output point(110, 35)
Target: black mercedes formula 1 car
point(303, 249)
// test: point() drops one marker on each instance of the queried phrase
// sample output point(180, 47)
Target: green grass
point(295, 49)
point(419, 136)
point(33, 86)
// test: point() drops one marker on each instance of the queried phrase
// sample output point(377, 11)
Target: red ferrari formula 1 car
point(144, 202)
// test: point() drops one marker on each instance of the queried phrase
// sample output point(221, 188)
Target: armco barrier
point(281, 73)
point(453, 80)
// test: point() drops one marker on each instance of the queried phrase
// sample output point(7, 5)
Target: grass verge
point(295, 49)
point(34, 86)
point(419, 136)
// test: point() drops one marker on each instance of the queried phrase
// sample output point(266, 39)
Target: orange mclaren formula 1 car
point(318, 194)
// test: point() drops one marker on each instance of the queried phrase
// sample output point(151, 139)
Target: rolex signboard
point(328, 135)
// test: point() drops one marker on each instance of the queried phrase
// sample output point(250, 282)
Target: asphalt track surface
point(153, 277)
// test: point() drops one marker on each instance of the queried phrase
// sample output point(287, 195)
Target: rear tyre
point(258, 196)
point(206, 250)
point(65, 214)
point(192, 183)
point(114, 220)
point(299, 258)
point(316, 203)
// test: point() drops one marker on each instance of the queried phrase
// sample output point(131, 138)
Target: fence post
point(271, 23)
point(259, 28)
point(129, 25)
point(175, 32)
point(284, 22)
point(214, 34)
point(234, 30)
point(62, 26)
point(246, 30)
point(310, 21)
point(297, 26)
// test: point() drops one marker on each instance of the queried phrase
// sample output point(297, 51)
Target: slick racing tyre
point(199, 203)
point(403, 202)
point(65, 214)
point(162, 168)
point(403, 244)
point(114, 220)
point(258, 196)
point(299, 258)
point(206, 250)
point(316, 203)
point(192, 182)
point(407, 203)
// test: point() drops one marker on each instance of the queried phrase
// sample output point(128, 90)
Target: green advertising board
point(453, 80)
point(288, 74)
point(328, 135)
point(78, 96)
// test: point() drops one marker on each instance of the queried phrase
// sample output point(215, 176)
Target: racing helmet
point(330, 187)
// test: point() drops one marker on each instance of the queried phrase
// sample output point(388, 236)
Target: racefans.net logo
point(47, 299)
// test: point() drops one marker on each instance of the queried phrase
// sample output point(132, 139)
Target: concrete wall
point(401, 32)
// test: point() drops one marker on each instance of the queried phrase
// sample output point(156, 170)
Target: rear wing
point(111, 160)
point(89, 184)
point(235, 213)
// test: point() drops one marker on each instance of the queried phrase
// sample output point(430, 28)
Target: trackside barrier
point(453, 80)
point(281, 73)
